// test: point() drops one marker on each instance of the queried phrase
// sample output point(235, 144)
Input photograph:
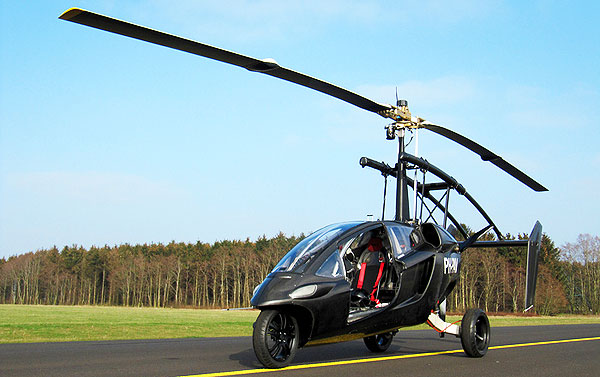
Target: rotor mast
point(402, 120)
point(402, 206)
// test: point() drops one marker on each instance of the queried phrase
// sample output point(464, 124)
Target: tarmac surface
point(574, 350)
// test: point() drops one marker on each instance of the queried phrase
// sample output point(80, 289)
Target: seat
point(372, 265)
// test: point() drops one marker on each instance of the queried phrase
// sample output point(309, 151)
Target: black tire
point(275, 338)
point(380, 342)
point(475, 333)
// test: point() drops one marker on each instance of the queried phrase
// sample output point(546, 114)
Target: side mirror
point(453, 231)
point(416, 238)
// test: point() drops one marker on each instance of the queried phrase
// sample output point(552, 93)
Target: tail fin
point(533, 251)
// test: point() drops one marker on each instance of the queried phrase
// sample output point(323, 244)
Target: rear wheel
point(275, 338)
point(380, 342)
point(475, 333)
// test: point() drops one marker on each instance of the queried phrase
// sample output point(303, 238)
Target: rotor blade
point(266, 66)
point(486, 155)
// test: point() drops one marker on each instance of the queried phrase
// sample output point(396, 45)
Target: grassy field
point(32, 323)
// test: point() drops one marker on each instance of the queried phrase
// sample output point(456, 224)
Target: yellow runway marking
point(384, 358)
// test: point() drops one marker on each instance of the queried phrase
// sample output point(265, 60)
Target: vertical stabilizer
point(533, 251)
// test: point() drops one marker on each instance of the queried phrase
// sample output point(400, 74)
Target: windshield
point(306, 249)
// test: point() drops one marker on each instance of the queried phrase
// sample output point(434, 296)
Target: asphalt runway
point(415, 352)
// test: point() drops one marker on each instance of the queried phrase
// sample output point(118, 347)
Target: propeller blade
point(486, 155)
point(266, 66)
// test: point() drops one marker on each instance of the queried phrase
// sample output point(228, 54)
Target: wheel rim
point(481, 333)
point(383, 339)
point(281, 334)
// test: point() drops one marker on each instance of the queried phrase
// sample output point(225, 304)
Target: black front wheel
point(475, 333)
point(275, 338)
point(380, 342)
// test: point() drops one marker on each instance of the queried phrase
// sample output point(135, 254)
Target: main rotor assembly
point(402, 119)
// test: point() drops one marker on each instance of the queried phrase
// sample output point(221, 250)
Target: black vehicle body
point(414, 282)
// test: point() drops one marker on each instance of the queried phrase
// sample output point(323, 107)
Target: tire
point(275, 338)
point(475, 333)
point(380, 342)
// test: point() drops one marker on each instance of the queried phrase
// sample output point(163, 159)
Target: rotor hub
point(402, 118)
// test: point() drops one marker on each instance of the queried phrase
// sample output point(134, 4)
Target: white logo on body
point(450, 265)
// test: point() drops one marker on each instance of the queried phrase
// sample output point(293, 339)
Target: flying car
point(366, 279)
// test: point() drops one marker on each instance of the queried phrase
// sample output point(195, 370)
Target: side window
point(400, 236)
point(332, 267)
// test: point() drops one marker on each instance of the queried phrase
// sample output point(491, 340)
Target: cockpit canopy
point(396, 235)
point(305, 250)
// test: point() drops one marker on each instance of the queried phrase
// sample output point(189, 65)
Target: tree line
point(225, 273)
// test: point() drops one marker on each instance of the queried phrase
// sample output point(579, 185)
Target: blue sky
point(107, 140)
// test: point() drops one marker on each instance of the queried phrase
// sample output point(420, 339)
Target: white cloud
point(455, 11)
point(259, 19)
point(249, 20)
point(442, 90)
point(93, 187)
point(540, 108)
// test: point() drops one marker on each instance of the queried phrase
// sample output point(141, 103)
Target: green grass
point(39, 323)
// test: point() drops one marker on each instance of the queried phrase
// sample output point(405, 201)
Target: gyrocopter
point(362, 279)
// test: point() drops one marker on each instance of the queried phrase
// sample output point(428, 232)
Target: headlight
point(303, 292)
point(256, 289)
